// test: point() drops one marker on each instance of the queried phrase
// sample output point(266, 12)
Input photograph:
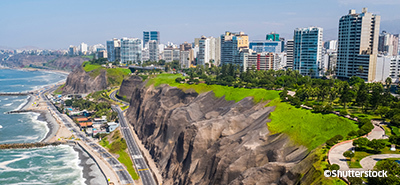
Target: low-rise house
point(112, 126)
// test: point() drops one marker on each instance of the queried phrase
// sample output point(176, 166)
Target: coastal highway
point(137, 157)
point(120, 170)
point(113, 97)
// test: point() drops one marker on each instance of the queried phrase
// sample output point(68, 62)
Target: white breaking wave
point(7, 105)
point(25, 101)
point(1, 126)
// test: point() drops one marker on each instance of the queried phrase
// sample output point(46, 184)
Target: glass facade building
point(150, 35)
point(266, 46)
point(131, 50)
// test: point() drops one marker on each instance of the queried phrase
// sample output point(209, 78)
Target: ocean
point(48, 165)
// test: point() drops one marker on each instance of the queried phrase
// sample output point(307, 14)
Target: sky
point(56, 24)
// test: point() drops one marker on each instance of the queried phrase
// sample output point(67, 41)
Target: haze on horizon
point(50, 24)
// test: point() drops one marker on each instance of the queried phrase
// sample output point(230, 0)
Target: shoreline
point(91, 172)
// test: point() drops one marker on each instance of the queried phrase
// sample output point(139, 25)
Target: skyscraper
point(266, 46)
point(208, 51)
point(153, 50)
point(231, 43)
point(358, 45)
point(289, 56)
point(388, 44)
point(150, 35)
point(114, 50)
point(83, 48)
point(131, 50)
point(308, 51)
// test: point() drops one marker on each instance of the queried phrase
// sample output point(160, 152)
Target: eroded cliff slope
point(201, 139)
point(80, 81)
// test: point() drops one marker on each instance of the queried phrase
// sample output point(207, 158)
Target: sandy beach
point(91, 172)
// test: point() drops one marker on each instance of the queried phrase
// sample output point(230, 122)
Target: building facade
point(114, 50)
point(150, 35)
point(289, 53)
point(231, 43)
point(307, 53)
point(358, 45)
point(153, 50)
point(388, 44)
point(266, 46)
point(209, 51)
point(131, 50)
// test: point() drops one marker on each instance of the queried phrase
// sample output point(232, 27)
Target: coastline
point(91, 172)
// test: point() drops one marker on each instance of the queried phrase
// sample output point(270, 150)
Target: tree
point(346, 95)
point(388, 83)
point(362, 95)
point(283, 94)
point(361, 142)
point(376, 145)
point(376, 99)
point(355, 180)
point(393, 171)
point(68, 102)
point(382, 111)
point(348, 154)
point(334, 167)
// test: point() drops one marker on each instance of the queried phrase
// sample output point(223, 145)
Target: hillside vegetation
point(303, 126)
point(114, 75)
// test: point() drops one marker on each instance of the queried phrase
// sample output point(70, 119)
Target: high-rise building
point(307, 51)
point(150, 35)
point(330, 45)
point(185, 59)
point(83, 48)
point(388, 44)
point(114, 50)
point(209, 51)
point(289, 56)
point(131, 50)
point(272, 36)
point(72, 50)
point(231, 43)
point(358, 45)
point(266, 46)
point(153, 50)
point(307, 58)
point(170, 54)
point(185, 46)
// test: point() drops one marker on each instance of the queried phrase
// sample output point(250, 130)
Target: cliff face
point(128, 84)
point(201, 139)
point(80, 82)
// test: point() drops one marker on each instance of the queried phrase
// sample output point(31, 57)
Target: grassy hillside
point(115, 76)
point(303, 126)
point(117, 145)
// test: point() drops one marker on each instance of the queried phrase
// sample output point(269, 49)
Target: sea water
point(48, 165)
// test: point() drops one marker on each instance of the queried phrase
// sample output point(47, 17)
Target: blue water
point(48, 165)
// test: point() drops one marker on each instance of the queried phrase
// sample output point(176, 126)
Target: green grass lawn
point(230, 93)
point(307, 128)
point(395, 130)
point(359, 155)
point(90, 57)
point(91, 67)
point(115, 76)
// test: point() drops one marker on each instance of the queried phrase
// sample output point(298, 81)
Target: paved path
point(369, 162)
point(335, 155)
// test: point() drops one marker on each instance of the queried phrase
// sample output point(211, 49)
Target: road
point(113, 97)
point(335, 155)
point(369, 162)
point(137, 157)
point(120, 170)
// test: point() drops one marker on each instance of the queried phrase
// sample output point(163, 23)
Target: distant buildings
point(72, 50)
point(272, 36)
point(83, 48)
point(209, 51)
point(231, 43)
point(266, 46)
point(289, 56)
point(114, 50)
point(358, 45)
point(131, 50)
point(171, 54)
point(307, 58)
point(330, 45)
point(153, 50)
point(150, 35)
point(388, 44)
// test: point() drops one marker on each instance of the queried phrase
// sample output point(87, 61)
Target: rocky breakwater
point(81, 82)
point(201, 139)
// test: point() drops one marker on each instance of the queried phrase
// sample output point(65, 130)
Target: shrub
point(334, 167)
point(352, 133)
point(178, 80)
point(343, 112)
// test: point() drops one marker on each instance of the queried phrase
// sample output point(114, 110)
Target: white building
point(383, 68)
point(209, 51)
point(83, 48)
point(153, 50)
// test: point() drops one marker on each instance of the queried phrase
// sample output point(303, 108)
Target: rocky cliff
point(81, 82)
point(128, 84)
point(201, 139)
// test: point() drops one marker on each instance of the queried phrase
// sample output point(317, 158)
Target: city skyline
point(56, 25)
